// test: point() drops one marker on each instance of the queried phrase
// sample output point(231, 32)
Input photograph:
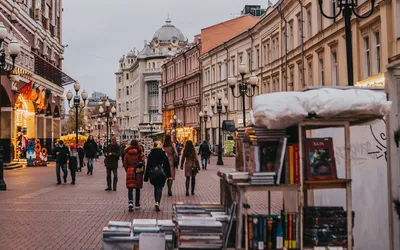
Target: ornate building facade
point(37, 25)
point(138, 81)
point(181, 92)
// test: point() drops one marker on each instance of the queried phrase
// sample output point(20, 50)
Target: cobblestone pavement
point(35, 213)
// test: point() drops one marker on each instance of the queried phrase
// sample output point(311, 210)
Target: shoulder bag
point(195, 170)
point(157, 170)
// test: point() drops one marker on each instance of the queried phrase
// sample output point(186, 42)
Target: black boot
point(193, 184)
point(169, 185)
point(187, 185)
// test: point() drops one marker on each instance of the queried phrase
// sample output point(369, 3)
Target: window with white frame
point(321, 71)
point(249, 66)
point(219, 72)
point(334, 69)
point(268, 53)
point(377, 64)
point(127, 106)
point(233, 66)
point(258, 58)
point(367, 54)
point(213, 75)
point(153, 92)
point(299, 28)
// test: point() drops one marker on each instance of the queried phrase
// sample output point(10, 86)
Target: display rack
point(240, 189)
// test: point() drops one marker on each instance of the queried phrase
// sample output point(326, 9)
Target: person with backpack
point(205, 154)
point(73, 162)
point(158, 170)
point(134, 164)
point(191, 162)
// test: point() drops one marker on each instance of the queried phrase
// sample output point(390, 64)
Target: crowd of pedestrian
point(158, 167)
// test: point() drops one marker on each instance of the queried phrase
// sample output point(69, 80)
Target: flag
point(26, 90)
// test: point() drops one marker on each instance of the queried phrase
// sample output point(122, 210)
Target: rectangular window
point(291, 42)
point(240, 59)
point(377, 53)
point(258, 58)
point(309, 24)
point(47, 11)
point(119, 93)
point(127, 90)
point(334, 69)
point(127, 106)
point(213, 75)
point(321, 72)
point(233, 67)
point(299, 28)
point(310, 75)
point(119, 79)
point(268, 54)
point(367, 63)
point(219, 72)
point(127, 76)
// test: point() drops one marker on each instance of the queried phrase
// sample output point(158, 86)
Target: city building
point(181, 93)
point(138, 82)
point(294, 47)
point(31, 97)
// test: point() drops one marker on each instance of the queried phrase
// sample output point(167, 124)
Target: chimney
point(145, 42)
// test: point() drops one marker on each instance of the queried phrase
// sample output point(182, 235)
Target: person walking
point(205, 154)
point(62, 153)
point(81, 154)
point(73, 162)
point(158, 171)
point(170, 149)
point(123, 147)
point(90, 149)
point(134, 164)
point(190, 161)
point(112, 153)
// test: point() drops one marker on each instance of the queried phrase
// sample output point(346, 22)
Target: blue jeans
point(137, 196)
point(89, 163)
point(64, 169)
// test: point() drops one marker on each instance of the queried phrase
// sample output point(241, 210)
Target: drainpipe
point(286, 49)
point(251, 65)
point(227, 76)
point(302, 43)
point(200, 87)
point(183, 92)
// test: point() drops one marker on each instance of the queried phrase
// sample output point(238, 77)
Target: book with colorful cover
point(320, 159)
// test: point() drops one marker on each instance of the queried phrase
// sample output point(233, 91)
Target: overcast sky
point(99, 32)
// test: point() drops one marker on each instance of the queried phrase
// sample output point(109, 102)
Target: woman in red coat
point(134, 167)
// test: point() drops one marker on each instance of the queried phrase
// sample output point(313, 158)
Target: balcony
point(45, 22)
point(51, 73)
point(153, 70)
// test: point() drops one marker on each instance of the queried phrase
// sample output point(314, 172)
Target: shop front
point(186, 133)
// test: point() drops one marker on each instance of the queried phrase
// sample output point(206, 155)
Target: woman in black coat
point(157, 157)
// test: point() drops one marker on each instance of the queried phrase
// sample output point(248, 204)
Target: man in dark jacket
point(205, 153)
point(90, 148)
point(112, 153)
point(62, 154)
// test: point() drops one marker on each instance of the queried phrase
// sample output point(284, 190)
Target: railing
point(50, 72)
point(150, 70)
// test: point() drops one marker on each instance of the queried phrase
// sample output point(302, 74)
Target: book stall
point(277, 153)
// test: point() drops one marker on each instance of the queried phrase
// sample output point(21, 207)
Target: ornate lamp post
point(14, 49)
point(243, 88)
point(99, 124)
point(175, 122)
point(113, 122)
point(348, 7)
point(219, 111)
point(108, 114)
point(77, 104)
point(205, 115)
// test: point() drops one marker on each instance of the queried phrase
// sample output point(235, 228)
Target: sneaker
point(107, 189)
point(157, 207)
point(73, 183)
point(58, 183)
point(137, 207)
point(130, 207)
point(114, 189)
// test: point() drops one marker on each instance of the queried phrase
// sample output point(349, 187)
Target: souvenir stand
point(297, 196)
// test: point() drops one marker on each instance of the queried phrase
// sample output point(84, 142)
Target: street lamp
point(77, 104)
point(348, 7)
point(99, 124)
point(219, 111)
point(14, 49)
point(175, 122)
point(205, 116)
point(243, 89)
point(108, 115)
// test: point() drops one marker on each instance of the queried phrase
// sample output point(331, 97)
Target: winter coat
point(73, 161)
point(90, 148)
point(156, 157)
point(63, 154)
point(111, 161)
point(132, 156)
point(171, 153)
point(190, 161)
point(205, 151)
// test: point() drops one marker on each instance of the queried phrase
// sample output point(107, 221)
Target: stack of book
point(272, 231)
point(263, 178)
point(199, 226)
point(117, 229)
point(166, 226)
point(325, 226)
point(145, 226)
point(238, 177)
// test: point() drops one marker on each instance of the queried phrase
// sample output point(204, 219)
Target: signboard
point(229, 146)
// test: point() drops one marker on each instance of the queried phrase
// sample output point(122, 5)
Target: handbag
point(139, 167)
point(156, 171)
point(195, 170)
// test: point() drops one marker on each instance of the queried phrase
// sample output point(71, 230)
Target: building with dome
point(138, 82)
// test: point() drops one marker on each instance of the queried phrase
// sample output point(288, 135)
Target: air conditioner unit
point(37, 14)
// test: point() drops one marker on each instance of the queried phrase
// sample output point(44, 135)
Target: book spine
point(270, 233)
point(291, 164)
point(251, 234)
point(290, 238)
point(286, 235)
point(265, 228)
point(294, 235)
point(296, 164)
point(287, 166)
point(255, 232)
point(279, 234)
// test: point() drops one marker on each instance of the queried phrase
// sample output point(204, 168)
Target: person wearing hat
point(73, 162)
point(62, 153)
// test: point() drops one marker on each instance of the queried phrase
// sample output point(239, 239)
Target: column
point(6, 133)
point(159, 101)
point(146, 98)
point(48, 133)
point(40, 128)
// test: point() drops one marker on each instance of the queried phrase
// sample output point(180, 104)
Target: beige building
point(292, 47)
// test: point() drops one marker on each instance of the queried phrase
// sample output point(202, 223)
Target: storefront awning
point(50, 72)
